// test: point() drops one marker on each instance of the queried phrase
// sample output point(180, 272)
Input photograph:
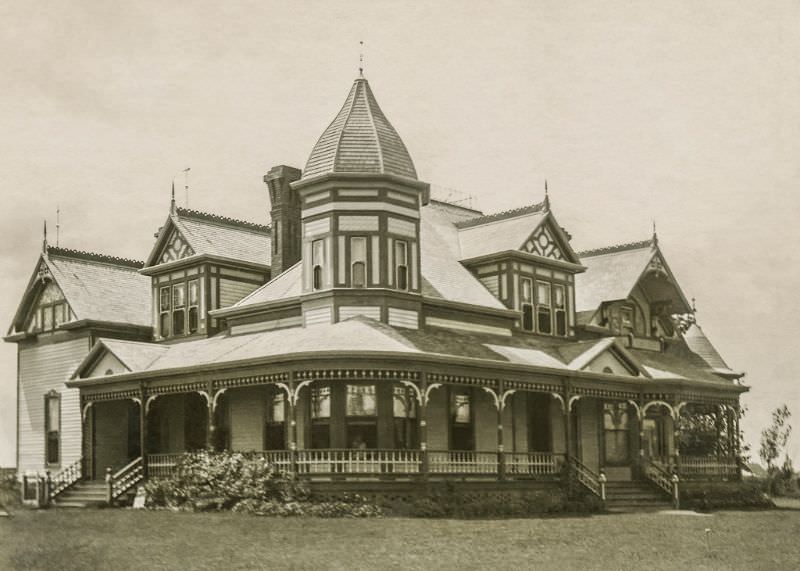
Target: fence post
point(109, 485)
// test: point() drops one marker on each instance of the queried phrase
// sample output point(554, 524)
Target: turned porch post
point(501, 464)
point(292, 425)
point(143, 427)
point(211, 427)
point(423, 424)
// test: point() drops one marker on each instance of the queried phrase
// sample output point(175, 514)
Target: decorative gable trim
point(36, 285)
point(176, 248)
point(550, 241)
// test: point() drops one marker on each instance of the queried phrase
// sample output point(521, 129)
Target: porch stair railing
point(66, 478)
point(162, 465)
point(124, 479)
point(595, 483)
point(658, 474)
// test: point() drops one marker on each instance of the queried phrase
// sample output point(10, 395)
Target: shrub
point(724, 495)
point(245, 483)
point(9, 490)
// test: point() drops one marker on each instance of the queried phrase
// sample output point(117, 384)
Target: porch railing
point(66, 478)
point(533, 464)
point(125, 478)
point(708, 468)
point(282, 459)
point(357, 461)
point(462, 462)
point(586, 477)
point(162, 465)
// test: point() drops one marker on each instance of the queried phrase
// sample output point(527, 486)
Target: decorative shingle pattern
point(99, 289)
point(286, 285)
point(499, 234)
point(610, 276)
point(218, 236)
point(360, 140)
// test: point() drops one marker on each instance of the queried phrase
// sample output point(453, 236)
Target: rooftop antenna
point(186, 184)
point(58, 223)
point(361, 60)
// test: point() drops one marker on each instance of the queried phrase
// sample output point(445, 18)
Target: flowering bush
point(243, 482)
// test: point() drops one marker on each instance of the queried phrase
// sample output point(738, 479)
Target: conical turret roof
point(360, 140)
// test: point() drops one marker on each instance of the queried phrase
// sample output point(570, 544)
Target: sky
point(686, 113)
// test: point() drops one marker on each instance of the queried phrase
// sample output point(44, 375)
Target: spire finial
point(44, 238)
point(546, 197)
point(172, 201)
point(361, 60)
point(655, 234)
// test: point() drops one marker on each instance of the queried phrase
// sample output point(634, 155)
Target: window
point(47, 318)
point(560, 309)
point(194, 301)
point(276, 416)
point(543, 308)
point(404, 411)
point(526, 300)
point(52, 405)
point(317, 262)
point(461, 433)
point(178, 309)
point(60, 314)
point(626, 319)
point(616, 432)
point(362, 419)
point(358, 261)
point(401, 264)
point(320, 417)
point(164, 311)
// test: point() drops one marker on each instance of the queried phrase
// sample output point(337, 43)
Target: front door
point(616, 440)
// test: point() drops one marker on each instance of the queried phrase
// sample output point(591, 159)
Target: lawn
point(127, 539)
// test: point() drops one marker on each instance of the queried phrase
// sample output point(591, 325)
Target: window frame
point(401, 269)
point(363, 261)
point(542, 308)
point(317, 265)
point(49, 398)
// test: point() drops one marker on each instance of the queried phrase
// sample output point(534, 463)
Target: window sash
point(361, 400)
point(178, 296)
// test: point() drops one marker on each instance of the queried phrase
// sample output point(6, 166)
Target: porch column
point(292, 425)
point(568, 438)
point(423, 424)
point(640, 421)
point(211, 427)
point(143, 427)
point(501, 464)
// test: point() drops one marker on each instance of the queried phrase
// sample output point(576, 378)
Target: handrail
point(66, 478)
point(658, 475)
point(586, 477)
point(125, 478)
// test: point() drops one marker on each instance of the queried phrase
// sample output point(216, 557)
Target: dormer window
point(358, 261)
point(194, 301)
point(560, 309)
point(317, 263)
point(164, 311)
point(544, 311)
point(178, 309)
point(526, 299)
point(401, 264)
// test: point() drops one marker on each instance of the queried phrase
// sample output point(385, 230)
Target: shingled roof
point(701, 345)
point(215, 235)
point(360, 140)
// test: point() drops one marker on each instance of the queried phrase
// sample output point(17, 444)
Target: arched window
point(317, 262)
point(358, 261)
point(401, 264)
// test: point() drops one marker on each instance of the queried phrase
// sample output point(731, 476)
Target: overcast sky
point(686, 112)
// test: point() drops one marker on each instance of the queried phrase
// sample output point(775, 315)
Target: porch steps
point(84, 494)
point(635, 496)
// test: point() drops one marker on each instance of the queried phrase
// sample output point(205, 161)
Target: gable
point(176, 248)
point(610, 363)
point(49, 310)
point(107, 364)
point(542, 242)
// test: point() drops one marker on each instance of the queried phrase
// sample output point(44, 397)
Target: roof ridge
point(94, 257)
point(616, 248)
point(486, 218)
point(437, 201)
point(189, 213)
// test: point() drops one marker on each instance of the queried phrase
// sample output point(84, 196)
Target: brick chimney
point(285, 214)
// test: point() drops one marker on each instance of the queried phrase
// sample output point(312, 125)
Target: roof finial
point(694, 305)
point(186, 183)
point(44, 238)
point(655, 234)
point(172, 201)
point(546, 197)
point(361, 60)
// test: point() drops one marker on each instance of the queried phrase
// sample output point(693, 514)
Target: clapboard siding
point(43, 368)
point(231, 291)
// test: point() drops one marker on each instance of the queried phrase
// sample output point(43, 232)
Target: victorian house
point(371, 335)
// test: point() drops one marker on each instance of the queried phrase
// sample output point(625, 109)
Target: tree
point(775, 436)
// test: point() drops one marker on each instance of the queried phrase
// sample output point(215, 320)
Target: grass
point(127, 539)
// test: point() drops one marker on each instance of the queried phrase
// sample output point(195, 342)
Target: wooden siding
point(319, 316)
point(43, 368)
point(232, 291)
point(348, 311)
point(247, 418)
point(403, 318)
point(281, 323)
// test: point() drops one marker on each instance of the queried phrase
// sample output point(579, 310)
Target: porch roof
point(363, 337)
